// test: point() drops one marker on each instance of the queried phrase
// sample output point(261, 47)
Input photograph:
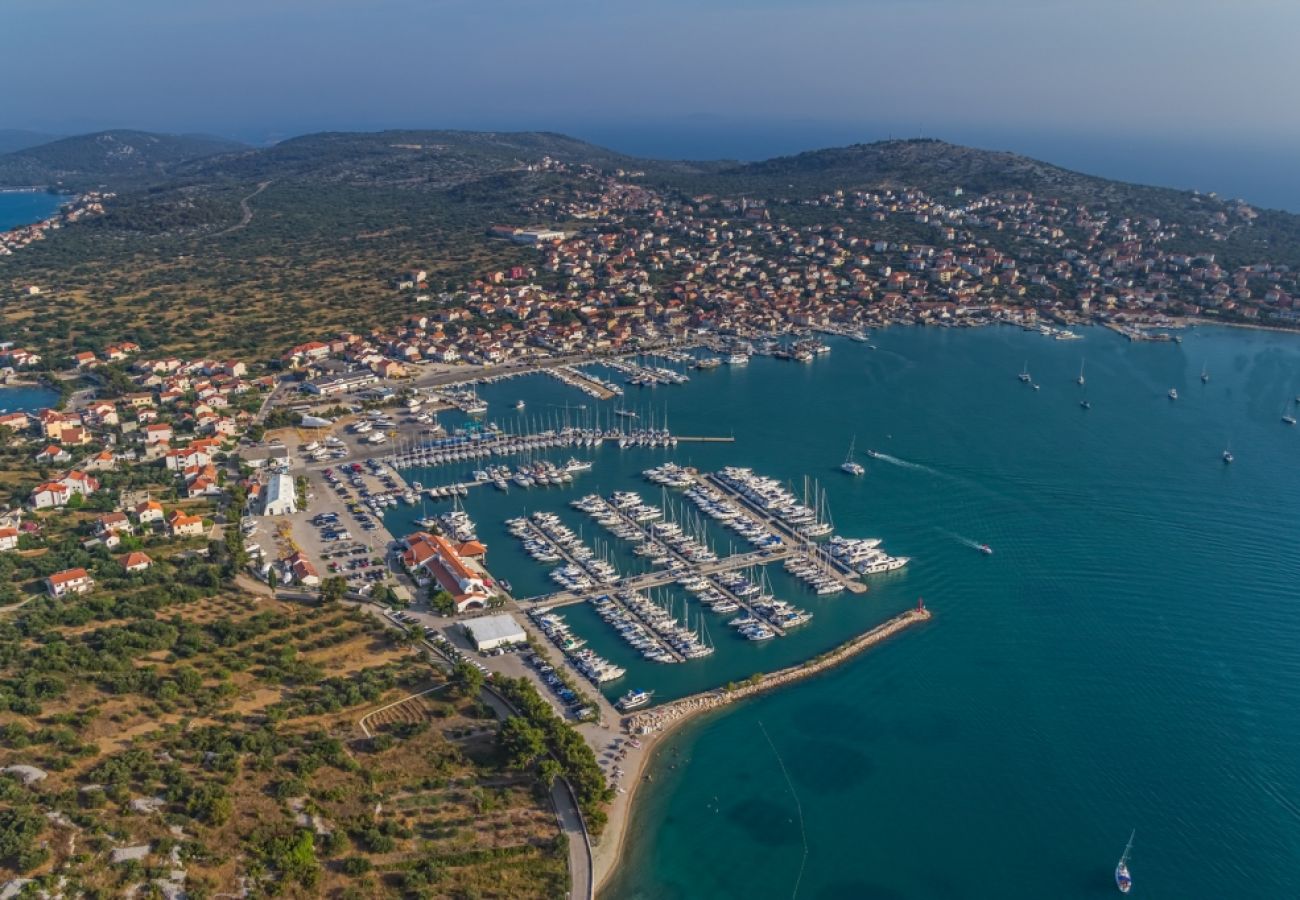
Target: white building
point(281, 496)
point(491, 632)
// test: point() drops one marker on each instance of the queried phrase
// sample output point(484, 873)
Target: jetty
point(660, 718)
point(608, 591)
point(660, 578)
point(789, 537)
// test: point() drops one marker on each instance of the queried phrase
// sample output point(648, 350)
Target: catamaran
point(1123, 880)
point(850, 465)
point(1024, 373)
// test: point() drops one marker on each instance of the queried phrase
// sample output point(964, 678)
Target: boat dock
point(576, 378)
point(789, 537)
point(696, 567)
point(660, 578)
point(661, 717)
point(603, 591)
point(707, 440)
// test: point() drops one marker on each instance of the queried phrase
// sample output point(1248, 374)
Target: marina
point(923, 484)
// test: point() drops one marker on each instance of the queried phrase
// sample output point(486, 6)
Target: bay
point(25, 207)
point(1126, 658)
point(27, 398)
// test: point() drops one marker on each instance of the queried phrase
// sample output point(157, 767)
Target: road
point(245, 211)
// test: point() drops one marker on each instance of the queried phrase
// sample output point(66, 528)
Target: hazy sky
point(1104, 85)
point(1136, 67)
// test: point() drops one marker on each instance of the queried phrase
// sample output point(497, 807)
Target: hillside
point(113, 159)
point(239, 249)
point(399, 158)
point(934, 166)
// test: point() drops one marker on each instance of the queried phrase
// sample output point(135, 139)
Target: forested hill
point(115, 160)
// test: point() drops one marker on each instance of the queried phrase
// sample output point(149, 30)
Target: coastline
point(1250, 326)
point(652, 726)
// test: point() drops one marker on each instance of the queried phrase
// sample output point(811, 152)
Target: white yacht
point(850, 465)
point(1173, 393)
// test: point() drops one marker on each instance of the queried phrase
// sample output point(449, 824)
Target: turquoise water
point(1127, 658)
point(26, 207)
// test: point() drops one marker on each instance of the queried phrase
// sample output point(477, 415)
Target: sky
point(738, 78)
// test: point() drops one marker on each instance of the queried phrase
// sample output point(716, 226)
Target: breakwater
point(660, 718)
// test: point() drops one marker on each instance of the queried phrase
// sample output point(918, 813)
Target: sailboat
point(1024, 373)
point(1080, 379)
point(850, 465)
point(1123, 880)
point(1205, 375)
point(1286, 414)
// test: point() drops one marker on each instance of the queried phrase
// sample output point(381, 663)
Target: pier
point(789, 537)
point(602, 591)
point(660, 578)
point(663, 717)
point(697, 567)
point(576, 378)
point(707, 440)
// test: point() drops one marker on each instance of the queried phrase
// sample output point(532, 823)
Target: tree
point(333, 588)
point(550, 772)
point(272, 579)
point(443, 603)
point(19, 829)
point(521, 742)
point(466, 679)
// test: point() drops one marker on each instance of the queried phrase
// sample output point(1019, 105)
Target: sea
point(1125, 661)
point(27, 398)
point(25, 207)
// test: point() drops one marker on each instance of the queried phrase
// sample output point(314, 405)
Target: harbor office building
point(491, 632)
point(434, 557)
point(343, 383)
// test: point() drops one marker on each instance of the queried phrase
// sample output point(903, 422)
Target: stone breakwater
point(663, 717)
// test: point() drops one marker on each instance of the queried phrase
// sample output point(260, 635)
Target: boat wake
point(803, 832)
point(974, 545)
point(902, 463)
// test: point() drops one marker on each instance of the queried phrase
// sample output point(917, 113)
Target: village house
point(298, 569)
point(8, 538)
point(148, 512)
point(182, 525)
point(135, 561)
point(69, 581)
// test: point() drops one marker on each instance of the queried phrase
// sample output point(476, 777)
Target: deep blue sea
point(28, 399)
point(1129, 657)
point(25, 207)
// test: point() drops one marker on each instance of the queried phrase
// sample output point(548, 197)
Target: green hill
point(112, 159)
